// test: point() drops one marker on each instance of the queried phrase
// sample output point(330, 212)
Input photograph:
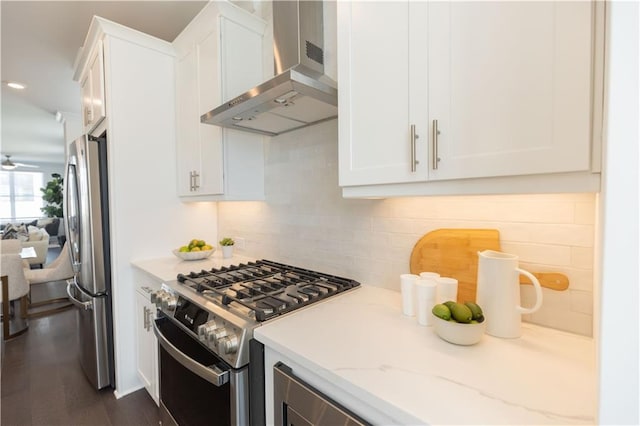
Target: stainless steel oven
point(211, 368)
point(196, 386)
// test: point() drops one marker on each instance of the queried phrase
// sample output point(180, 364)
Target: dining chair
point(10, 246)
point(14, 286)
point(59, 270)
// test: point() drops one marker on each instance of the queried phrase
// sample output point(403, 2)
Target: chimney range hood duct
point(297, 96)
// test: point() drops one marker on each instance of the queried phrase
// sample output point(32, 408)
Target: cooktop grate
point(265, 287)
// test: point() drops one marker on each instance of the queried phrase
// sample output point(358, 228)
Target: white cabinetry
point(147, 353)
point(92, 90)
point(139, 77)
point(511, 85)
point(219, 55)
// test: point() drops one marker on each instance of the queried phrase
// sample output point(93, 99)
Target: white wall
point(305, 221)
point(619, 301)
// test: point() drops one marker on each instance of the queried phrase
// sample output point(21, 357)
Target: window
point(20, 196)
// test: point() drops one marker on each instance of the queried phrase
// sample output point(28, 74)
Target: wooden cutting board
point(454, 253)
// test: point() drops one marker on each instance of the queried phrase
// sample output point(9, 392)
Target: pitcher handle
point(536, 286)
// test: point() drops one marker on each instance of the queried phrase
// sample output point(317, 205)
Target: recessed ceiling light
point(15, 85)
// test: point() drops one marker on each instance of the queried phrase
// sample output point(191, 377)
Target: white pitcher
point(498, 293)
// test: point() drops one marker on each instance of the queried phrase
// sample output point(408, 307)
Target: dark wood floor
point(43, 384)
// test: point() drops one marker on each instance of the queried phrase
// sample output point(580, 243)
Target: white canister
point(426, 290)
point(408, 290)
point(447, 289)
point(432, 275)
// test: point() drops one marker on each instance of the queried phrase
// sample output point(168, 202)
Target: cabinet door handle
point(412, 141)
point(149, 318)
point(192, 181)
point(145, 318)
point(196, 180)
point(434, 141)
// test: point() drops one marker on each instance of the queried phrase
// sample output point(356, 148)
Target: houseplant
point(52, 195)
point(227, 247)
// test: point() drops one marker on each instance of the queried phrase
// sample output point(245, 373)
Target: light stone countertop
point(361, 344)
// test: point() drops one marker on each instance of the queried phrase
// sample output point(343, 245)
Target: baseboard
point(119, 394)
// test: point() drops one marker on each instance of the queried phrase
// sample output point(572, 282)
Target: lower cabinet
point(147, 353)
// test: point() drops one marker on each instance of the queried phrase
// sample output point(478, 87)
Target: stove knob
point(169, 302)
point(156, 297)
point(228, 344)
point(218, 334)
point(205, 331)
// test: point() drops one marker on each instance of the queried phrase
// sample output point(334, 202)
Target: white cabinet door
point(147, 344)
point(187, 130)
point(211, 149)
point(93, 91)
point(221, 56)
point(377, 104)
point(510, 87)
point(85, 92)
point(98, 106)
point(243, 152)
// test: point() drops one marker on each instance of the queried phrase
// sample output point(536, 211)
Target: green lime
point(449, 303)
point(441, 311)
point(461, 313)
point(476, 310)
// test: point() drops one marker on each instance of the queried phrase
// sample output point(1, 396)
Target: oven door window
point(190, 399)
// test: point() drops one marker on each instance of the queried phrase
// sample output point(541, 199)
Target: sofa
point(30, 236)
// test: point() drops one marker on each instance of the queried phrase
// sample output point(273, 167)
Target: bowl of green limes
point(459, 323)
point(194, 250)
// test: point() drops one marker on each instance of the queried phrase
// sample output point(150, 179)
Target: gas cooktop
point(266, 288)
point(221, 307)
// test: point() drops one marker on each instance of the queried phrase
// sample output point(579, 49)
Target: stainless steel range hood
point(299, 95)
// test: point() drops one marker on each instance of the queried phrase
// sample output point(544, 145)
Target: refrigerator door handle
point(87, 306)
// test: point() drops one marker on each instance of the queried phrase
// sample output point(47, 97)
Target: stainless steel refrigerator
point(87, 225)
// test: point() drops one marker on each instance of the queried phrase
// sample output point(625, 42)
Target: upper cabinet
point(92, 90)
point(219, 55)
point(469, 97)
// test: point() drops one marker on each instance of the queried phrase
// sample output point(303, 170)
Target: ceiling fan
point(7, 164)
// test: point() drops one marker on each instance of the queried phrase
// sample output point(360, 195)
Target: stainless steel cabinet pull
point(145, 318)
point(412, 139)
point(196, 180)
point(148, 318)
point(193, 182)
point(434, 141)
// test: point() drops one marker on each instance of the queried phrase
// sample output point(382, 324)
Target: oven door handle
point(212, 374)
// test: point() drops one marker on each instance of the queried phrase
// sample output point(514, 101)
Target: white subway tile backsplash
point(393, 224)
point(539, 253)
point(305, 221)
point(562, 234)
point(582, 257)
point(582, 301)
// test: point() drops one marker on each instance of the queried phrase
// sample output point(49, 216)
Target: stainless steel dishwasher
point(298, 404)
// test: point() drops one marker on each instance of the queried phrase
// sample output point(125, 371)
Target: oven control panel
point(214, 331)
